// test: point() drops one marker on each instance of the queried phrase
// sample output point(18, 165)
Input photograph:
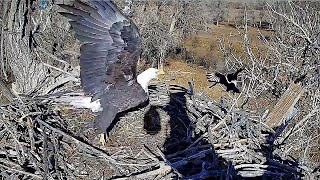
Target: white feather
point(85, 102)
point(146, 76)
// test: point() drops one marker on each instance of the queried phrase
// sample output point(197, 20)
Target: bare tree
point(295, 53)
point(179, 7)
point(35, 60)
point(17, 51)
point(163, 24)
point(251, 16)
point(219, 11)
point(260, 4)
point(290, 56)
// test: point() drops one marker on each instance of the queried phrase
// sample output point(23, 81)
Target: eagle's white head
point(146, 76)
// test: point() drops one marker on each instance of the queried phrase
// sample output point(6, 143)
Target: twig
point(29, 114)
point(70, 52)
point(206, 174)
point(21, 172)
point(92, 148)
point(1, 52)
point(31, 133)
point(302, 122)
point(219, 145)
point(52, 56)
point(149, 153)
point(166, 161)
point(59, 83)
point(258, 166)
point(188, 150)
point(45, 155)
point(58, 69)
point(14, 137)
point(103, 154)
point(180, 72)
point(184, 161)
point(163, 169)
point(10, 163)
point(199, 139)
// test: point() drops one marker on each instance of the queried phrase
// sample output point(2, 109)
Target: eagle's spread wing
point(109, 56)
point(111, 45)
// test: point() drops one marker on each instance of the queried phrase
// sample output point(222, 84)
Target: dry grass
point(180, 73)
point(205, 45)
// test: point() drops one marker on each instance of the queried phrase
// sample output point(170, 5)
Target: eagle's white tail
point(85, 102)
point(80, 102)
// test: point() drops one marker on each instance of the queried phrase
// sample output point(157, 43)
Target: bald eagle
point(110, 52)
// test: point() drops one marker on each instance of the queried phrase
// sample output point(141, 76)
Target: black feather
point(225, 80)
point(110, 49)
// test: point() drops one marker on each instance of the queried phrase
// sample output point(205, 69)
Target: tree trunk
point(172, 24)
point(175, 17)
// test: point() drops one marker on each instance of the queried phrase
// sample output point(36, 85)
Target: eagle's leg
point(103, 122)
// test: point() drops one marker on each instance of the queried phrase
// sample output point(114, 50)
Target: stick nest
point(179, 134)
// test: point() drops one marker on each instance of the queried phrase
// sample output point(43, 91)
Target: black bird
point(300, 79)
point(229, 80)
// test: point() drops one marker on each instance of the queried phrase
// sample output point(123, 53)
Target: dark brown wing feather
point(111, 45)
point(109, 56)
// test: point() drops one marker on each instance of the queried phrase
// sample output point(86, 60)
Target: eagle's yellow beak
point(161, 72)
